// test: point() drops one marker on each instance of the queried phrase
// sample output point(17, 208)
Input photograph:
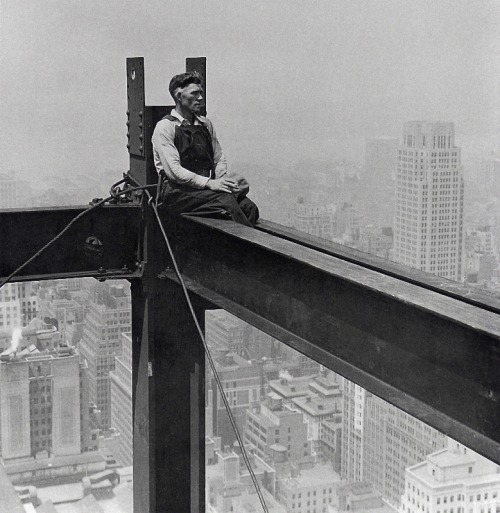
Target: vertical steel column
point(168, 357)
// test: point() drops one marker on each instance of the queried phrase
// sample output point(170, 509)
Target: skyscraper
point(106, 320)
point(428, 220)
point(379, 441)
point(44, 423)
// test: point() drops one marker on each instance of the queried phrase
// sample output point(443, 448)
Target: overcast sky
point(287, 80)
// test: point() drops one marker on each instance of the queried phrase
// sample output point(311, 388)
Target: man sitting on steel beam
point(187, 152)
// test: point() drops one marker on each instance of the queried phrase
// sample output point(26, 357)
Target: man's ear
point(178, 95)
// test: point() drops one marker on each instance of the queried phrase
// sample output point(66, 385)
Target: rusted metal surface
point(103, 243)
point(440, 352)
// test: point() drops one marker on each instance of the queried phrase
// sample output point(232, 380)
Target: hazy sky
point(287, 80)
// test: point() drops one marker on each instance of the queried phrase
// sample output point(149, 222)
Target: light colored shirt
point(166, 156)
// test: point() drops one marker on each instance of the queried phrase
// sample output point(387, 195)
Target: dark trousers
point(208, 203)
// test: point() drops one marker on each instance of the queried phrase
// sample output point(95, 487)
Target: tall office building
point(454, 480)
point(379, 441)
point(354, 398)
point(277, 432)
point(44, 423)
point(121, 401)
point(18, 305)
point(428, 220)
point(105, 322)
point(242, 383)
point(393, 441)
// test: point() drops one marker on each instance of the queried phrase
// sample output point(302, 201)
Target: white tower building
point(428, 220)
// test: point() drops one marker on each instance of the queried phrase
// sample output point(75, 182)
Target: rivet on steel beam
point(140, 148)
point(141, 137)
point(140, 125)
point(128, 123)
point(128, 134)
point(128, 112)
point(140, 113)
point(128, 146)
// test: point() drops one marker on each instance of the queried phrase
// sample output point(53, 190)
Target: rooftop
point(483, 470)
point(318, 475)
point(316, 406)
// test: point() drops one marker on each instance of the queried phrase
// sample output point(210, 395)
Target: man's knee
point(250, 210)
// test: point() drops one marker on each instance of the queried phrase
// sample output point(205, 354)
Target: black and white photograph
point(250, 256)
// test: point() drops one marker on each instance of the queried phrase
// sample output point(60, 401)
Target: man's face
point(191, 97)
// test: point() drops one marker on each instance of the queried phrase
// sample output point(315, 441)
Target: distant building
point(480, 254)
point(121, 401)
point(277, 432)
point(360, 498)
point(352, 430)
point(229, 488)
point(374, 240)
point(241, 381)
point(452, 480)
point(65, 312)
point(44, 423)
point(309, 489)
point(18, 305)
point(223, 331)
point(37, 333)
point(323, 403)
point(314, 219)
point(394, 440)
point(428, 220)
point(109, 315)
point(289, 388)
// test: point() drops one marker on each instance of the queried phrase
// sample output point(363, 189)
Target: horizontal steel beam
point(104, 243)
point(434, 356)
point(471, 295)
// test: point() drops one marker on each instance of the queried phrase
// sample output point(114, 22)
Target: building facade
point(44, 422)
point(276, 431)
point(428, 219)
point(121, 401)
point(452, 480)
point(108, 317)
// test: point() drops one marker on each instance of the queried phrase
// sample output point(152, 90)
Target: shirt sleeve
point(163, 145)
point(219, 157)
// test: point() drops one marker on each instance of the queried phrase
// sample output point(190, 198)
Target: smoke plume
point(17, 335)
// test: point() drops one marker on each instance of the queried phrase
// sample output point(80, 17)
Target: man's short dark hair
point(183, 80)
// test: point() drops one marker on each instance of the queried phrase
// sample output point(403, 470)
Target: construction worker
point(187, 152)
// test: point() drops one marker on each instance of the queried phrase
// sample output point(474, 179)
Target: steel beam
point(471, 295)
point(168, 396)
point(104, 243)
point(434, 356)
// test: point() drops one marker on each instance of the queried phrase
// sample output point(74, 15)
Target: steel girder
point(105, 243)
point(434, 356)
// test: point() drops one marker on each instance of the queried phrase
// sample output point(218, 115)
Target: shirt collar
point(175, 114)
